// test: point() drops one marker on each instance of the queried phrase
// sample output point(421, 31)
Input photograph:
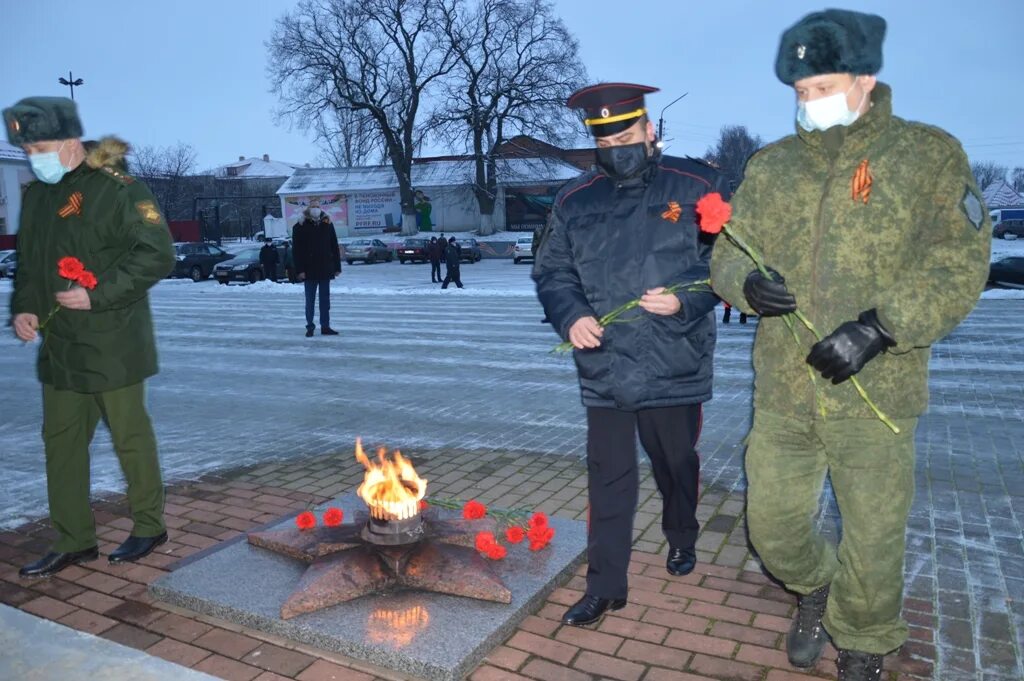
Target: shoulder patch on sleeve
point(149, 212)
point(973, 208)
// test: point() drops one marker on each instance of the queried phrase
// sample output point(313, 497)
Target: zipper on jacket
point(815, 253)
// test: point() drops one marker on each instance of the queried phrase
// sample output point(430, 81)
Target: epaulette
point(114, 174)
point(700, 161)
point(938, 133)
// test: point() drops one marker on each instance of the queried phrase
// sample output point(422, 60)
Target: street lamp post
point(71, 82)
point(661, 118)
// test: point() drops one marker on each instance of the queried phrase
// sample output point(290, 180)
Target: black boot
point(309, 331)
point(681, 561)
point(327, 331)
point(54, 562)
point(854, 665)
point(134, 548)
point(590, 609)
point(806, 638)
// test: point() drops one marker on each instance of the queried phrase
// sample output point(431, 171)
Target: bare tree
point(516, 63)
point(987, 172)
point(348, 138)
point(1017, 179)
point(373, 57)
point(730, 154)
point(167, 172)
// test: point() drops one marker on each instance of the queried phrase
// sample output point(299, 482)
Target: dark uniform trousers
point(669, 436)
point(452, 274)
point(69, 422)
point(435, 271)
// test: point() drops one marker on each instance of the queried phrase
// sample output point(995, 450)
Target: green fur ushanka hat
point(42, 119)
point(832, 41)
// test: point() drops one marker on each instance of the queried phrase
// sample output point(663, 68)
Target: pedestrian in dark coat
point(452, 261)
point(269, 258)
point(317, 261)
point(435, 251)
point(628, 230)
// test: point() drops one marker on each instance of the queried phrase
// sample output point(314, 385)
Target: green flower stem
point(509, 516)
point(613, 316)
point(738, 240)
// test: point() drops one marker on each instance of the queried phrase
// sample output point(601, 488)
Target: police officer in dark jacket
point(435, 251)
point(452, 261)
point(269, 258)
point(317, 261)
point(624, 231)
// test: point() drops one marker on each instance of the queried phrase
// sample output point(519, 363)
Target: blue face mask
point(47, 166)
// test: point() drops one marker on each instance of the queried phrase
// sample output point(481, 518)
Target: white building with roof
point(1000, 194)
point(15, 173)
point(365, 200)
point(256, 167)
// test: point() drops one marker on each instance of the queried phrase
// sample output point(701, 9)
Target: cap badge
point(15, 125)
point(801, 51)
point(605, 113)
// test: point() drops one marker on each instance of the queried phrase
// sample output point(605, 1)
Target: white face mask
point(824, 113)
point(314, 213)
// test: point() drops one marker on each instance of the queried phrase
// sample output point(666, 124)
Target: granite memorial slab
point(390, 620)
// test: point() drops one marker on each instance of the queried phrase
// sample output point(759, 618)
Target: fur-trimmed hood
point(108, 152)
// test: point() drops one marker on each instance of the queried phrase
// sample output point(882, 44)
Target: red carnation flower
point(70, 268)
point(515, 534)
point(713, 212)
point(484, 541)
point(423, 505)
point(333, 517)
point(538, 519)
point(474, 510)
point(496, 552)
point(305, 520)
point(87, 280)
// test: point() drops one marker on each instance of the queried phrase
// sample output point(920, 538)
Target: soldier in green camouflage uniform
point(98, 347)
point(878, 230)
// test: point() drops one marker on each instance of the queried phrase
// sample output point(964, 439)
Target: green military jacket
point(917, 251)
point(109, 221)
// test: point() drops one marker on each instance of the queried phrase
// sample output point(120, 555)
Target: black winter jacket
point(315, 249)
point(607, 242)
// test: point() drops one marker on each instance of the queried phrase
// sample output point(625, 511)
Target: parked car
point(368, 250)
point(245, 266)
point(1008, 272)
point(470, 250)
point(196, 259)
point(1007, 221)
point(8, 263)
point(413, 250)
point(523, 250)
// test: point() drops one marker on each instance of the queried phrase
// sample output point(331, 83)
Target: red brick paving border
point(718, 623)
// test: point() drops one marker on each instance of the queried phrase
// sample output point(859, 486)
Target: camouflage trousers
point(872, 473)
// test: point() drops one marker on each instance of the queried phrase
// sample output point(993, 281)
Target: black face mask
point(624, 161)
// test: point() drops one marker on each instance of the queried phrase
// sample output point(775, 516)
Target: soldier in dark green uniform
point(98, 347)
point(877, 230)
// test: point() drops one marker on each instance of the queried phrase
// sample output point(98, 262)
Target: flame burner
point(388, 532)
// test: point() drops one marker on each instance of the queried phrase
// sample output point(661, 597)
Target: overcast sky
point(195, 71)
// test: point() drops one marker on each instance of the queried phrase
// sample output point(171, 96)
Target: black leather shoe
point(854, 665)
point(309, 332)
point(681, 561)
point(134, 548)
point(590, 609)
point(54, 562)
point(328, 331)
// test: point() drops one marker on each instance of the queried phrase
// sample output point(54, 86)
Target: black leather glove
point(846, 350)
point(768, 296)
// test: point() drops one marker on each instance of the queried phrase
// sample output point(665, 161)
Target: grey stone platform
point(35, 649)
point(431, 636)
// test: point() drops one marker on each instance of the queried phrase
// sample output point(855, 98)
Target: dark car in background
point(1007, 272)
point(413, 250)
point(470, 250)
point(196, 259)
point(8, 263)
point(245, 266)
point(368, 250)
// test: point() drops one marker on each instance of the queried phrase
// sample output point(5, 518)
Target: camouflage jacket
point(109, 221)
point(917, 251)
